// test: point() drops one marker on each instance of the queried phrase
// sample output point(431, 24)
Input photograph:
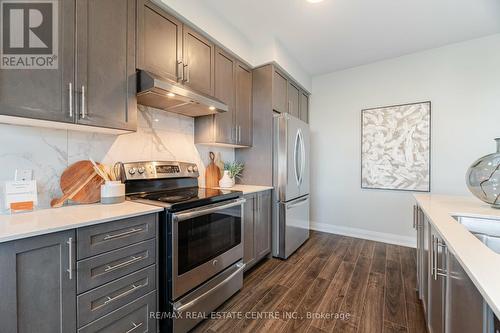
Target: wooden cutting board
point(212, 173)
point(79, 172)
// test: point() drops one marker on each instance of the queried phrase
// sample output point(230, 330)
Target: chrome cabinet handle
point(123, 264)
point(440, 271)
point(180, 71)
point(83, 115)
point(414, 217)
point(436, 244)
point(433, 258)
point(71, 99)
point(289, 107)
point(135, 326)
point(126, 233)
point(125, 293)
point(70, 258)
point(239, 134)
point(185, 72)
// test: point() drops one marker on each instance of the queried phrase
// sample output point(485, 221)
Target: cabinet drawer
point(113, 235)
point(109, 297)
point(98, 270)
point(132, 318)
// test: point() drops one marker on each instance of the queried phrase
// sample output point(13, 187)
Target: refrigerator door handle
point(295, 156)
point(302, 157)
point(297, 202)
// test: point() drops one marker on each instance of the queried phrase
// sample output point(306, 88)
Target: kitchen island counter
point(481, 263)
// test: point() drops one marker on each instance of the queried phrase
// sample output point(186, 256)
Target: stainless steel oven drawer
point(132, 318)
point(110, 236)
point(101, 269)
point(111, 296)
point(208, 297)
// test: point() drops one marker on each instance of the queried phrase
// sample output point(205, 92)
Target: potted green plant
point(232, 170)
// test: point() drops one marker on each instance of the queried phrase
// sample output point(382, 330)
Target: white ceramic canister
point(112, 192)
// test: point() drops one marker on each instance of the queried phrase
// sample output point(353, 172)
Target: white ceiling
point(338, 34)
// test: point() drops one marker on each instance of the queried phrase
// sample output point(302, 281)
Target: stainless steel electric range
point(201, 247)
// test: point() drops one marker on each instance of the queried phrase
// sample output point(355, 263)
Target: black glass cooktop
point(182, 199)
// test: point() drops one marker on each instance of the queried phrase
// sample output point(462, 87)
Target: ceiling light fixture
point(212, 108)
point(314, 1)
point(171, 94)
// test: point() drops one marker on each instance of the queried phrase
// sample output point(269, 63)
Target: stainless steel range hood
point(163, 94)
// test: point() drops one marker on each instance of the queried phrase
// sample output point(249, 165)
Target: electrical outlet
point(23, 175)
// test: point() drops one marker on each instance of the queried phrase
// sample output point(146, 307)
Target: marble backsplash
point(161, 136)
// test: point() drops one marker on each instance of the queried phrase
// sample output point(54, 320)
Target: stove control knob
point(141, 170)
point(190, 168)
point(195, 169)
point(215, 262)
point(132, 171)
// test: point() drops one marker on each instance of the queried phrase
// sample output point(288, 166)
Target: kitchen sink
point(486, 230)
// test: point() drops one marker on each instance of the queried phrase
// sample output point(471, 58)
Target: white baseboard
point(365, 234)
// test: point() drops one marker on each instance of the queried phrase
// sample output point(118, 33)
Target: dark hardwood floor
point(373, 283)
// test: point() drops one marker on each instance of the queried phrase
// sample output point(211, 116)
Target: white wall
point(200, 14)
point(161, 135)
point(462, 81)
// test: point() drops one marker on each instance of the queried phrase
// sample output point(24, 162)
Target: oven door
point(205, 241)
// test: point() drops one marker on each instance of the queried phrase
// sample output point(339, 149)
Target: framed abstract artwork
point(396, 147)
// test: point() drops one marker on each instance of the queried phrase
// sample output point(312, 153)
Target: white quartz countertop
point(46, 221)
point(481, 264)
point(248, 189)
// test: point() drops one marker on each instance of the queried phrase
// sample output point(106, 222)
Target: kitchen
point(122, 142)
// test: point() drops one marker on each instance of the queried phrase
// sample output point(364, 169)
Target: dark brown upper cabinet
point(159, 41)
point(233, 86)
point(45, 94)
point(225, 91)
point(244, 114)
point(198, 61)
point(95, 81)
point(280, 99)
point(172, 50)
point(105, 72)
point(304, 106)
point(293, 99)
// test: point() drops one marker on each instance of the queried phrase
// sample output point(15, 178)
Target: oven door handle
point(189, 214)
point(181, 308)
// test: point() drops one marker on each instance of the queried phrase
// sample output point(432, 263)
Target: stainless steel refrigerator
point(291, 183)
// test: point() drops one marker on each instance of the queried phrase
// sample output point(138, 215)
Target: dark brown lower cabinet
point(38, 284)
point(465, 307)
point(39, 278)
point(452, 303)
point(257, 227)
